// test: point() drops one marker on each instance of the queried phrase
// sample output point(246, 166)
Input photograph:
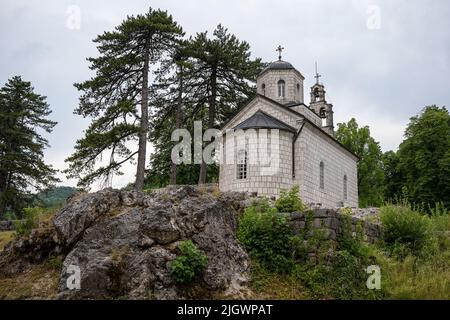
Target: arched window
point(241, 169)
point(322, 175)
point(263, 87)
point(281, 88)
point(298, 91)
point(345, 187)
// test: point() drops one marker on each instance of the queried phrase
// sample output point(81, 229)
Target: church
point(307, 154)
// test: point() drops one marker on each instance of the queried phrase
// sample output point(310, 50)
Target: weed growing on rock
point(189, 264)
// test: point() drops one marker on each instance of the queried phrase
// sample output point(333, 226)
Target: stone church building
point(309, 155)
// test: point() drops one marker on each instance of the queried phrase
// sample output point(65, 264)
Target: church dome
point(278, 65)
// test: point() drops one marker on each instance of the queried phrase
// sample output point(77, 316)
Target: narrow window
point(345, 187)
point(241, 169)
point(322, 175)
point(263, 89)
point(281, 88)
point(298, 91)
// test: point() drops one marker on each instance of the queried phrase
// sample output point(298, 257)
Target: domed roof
point(278, 65)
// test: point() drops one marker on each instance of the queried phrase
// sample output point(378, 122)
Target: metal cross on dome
point(279, 49)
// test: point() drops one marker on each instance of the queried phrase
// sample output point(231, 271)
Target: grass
point(5, 238)
point(410, 279)
point(413, 255)
point(413, 279)
point(37, 282)
point(271, 285)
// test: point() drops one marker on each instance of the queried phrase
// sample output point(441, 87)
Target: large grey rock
point(83, 211)
point(123, 242)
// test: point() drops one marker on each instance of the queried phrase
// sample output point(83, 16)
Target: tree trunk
point(4, 186)
point(211, 114)
point(140, 172)
point(173, 168)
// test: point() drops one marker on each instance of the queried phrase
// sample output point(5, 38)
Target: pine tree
point(224, 75)
point(171, 101)
point(211, 78)
point(111, 98)
point(22, 166)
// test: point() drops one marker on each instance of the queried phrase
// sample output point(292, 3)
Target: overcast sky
point(381, 61)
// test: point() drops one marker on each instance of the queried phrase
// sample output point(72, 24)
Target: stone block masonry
point(331, 221)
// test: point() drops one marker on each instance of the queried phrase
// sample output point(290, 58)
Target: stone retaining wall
point(331, 220)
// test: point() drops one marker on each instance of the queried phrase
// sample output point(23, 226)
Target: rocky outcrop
point(123, 242)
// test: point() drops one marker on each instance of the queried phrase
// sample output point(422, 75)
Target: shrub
point(189, 264)
point(349, 241)
point(404, 229)
point(289, 201)
point(267, 236)
point(29, 222)
point(344, 277)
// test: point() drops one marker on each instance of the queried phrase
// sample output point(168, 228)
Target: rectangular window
point(322, 175)
point(345, 187)
point(241, 169)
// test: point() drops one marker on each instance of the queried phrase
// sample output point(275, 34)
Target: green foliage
point(206, 77)
point(266, 235)
point(352, 241)
point(29, 222)
point(23, 118)
point(404, 230)
point(425, 272)
point(424, 157)
point(393, 185)
point(55, 196)
point(189, 264)
point(111, 98)
point(289, 201)
point(370, 170)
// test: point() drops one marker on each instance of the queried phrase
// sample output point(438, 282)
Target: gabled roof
point(262, 120)
point(289, 109)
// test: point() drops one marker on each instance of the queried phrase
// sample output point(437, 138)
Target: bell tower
point(320, 106)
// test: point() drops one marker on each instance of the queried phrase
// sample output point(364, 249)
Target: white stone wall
point(312, 147)
point(266, 182)
point(291, 78)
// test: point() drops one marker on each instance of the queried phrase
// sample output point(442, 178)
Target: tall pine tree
point(22, 168)
point(218, 77)
point(117, 97)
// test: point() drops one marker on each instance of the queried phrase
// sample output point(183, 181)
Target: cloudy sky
point(381, 61)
